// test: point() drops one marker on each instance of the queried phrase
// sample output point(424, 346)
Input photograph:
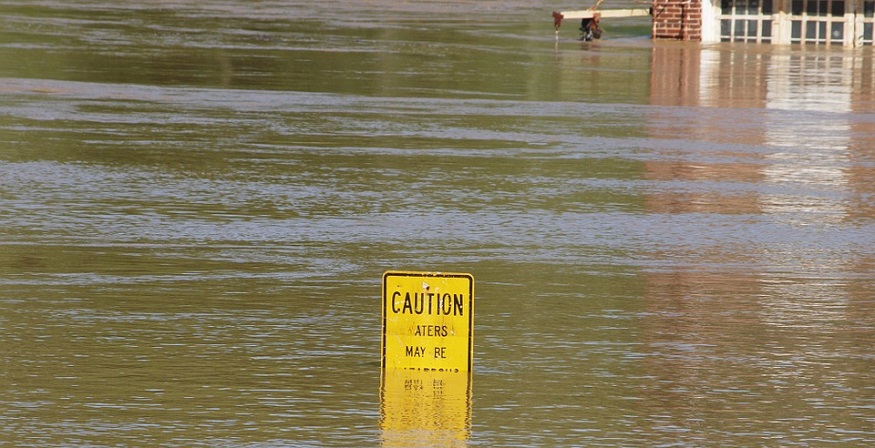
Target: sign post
point(428, 321)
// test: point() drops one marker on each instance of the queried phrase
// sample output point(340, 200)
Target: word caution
point(427, 321)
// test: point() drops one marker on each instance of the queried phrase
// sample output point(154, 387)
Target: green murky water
point(673, 244)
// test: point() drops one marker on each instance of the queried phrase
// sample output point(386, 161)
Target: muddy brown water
point(673, 244)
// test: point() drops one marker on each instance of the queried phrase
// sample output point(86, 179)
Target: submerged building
point(827, 22)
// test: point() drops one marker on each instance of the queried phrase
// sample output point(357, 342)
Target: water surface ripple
point(673, 244)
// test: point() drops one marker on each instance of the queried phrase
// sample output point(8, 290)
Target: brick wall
point(677, 19)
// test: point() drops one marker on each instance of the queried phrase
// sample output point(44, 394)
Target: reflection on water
point(674, 244)
point(425, 408)
point(780, 324)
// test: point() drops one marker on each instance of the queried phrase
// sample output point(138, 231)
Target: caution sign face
point(428, 321)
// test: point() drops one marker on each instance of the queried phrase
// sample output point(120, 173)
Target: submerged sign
point(428, 321)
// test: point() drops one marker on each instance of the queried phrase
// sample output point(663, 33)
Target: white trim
point(710, 21)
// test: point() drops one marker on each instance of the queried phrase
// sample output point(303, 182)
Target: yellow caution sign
point(428, 321)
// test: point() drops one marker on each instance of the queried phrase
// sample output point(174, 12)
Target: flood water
point(673, 244)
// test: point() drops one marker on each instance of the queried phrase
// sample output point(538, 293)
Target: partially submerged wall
point(677, 19)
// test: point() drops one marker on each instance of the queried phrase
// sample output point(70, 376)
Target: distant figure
point(589, 29)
